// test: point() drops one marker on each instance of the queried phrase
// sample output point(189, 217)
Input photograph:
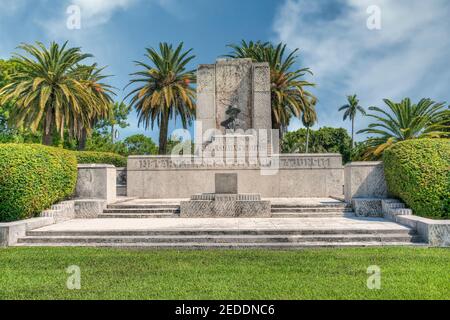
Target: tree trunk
point(163, 130)
point(307, 140)
point(113, 133)
point(47, 135)
point(82, 141)
point(277, 126)
point(353, 133)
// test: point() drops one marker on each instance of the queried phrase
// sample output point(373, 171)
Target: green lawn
point(407, 273)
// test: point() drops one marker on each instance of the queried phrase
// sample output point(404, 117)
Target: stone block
point(262, 116)
point(97, 181)
point(89, 208)
point(205, 106)
point(225, 206)
point(261, 77)
point(367, 207)
point(226, 183)
point(206, 74)
point(365, 180)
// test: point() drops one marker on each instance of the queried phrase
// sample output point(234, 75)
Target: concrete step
point(297, 205)
point(222, 232)
point(143, 210)
point(212, 246)
point(312, 215)
point(94, 240)
point(143, 215)
point(308, 210)
point(144, 206)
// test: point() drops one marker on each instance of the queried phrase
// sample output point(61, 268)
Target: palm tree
point(164, 89)
point(47, 91)
point(101, 108)
point(289, 97)
point(351, 111)
point(405, 121)
point(309, 118)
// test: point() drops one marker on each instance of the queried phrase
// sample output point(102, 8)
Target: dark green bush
point(32, 178)
point(88, 157)
point(418, 172)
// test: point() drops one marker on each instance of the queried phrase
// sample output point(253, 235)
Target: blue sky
point(408, 56)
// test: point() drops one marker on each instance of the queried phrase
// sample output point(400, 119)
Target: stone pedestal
point(225, 206)
point(364, 180)
point(226, 202)
point(96, 181)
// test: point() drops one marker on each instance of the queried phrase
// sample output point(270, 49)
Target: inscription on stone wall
point(214, 163)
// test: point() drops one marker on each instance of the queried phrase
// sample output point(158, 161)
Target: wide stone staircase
point(223, 238)
point(278, 211)
point(292, 226)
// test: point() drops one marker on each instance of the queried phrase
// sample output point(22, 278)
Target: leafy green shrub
point(101, 158)
point(32, 178)
point(418, 172)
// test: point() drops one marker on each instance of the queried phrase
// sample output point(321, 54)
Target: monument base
point(225, 206)
point(299, 175)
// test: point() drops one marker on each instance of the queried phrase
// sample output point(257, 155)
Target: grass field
point(406, 273)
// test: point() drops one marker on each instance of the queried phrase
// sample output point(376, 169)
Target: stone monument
point(234, 95)
point(237, 85)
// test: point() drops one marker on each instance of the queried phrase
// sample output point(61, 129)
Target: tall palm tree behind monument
point(351, 110)
point(47, 91)
point(164, 89)
point(288, 86)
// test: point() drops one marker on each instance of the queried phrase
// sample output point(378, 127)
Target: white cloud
point(407, 57)
point(95, 12)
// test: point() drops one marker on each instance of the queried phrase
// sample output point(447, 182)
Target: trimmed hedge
point(418, 172)
point(32, 178)
point(85, 157)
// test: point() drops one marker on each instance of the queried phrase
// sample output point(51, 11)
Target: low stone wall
point(365, 180)
point(435, 232)
point(11, 231)
point(159, 177)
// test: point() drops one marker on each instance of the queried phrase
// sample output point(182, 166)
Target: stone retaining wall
point(165, 177)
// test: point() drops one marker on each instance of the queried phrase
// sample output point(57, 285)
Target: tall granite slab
point(239, 83)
